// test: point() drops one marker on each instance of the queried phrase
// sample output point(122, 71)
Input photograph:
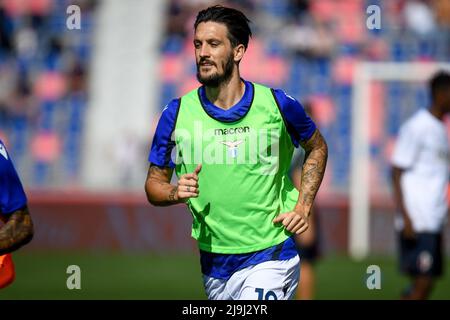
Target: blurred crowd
point(43, 94)
point(310, 48)
point(320, 28)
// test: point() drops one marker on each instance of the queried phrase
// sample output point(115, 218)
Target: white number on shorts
point(270, 295)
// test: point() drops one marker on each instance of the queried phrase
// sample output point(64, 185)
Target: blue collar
point(236, 112)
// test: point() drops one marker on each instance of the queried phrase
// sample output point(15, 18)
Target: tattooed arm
point(161, 193)
point(313, 170)
point(158, 188)
point(16, 232)
point(316, 155)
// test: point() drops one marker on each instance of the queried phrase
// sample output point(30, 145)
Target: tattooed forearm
point(17, 231)
point(313, 170)
point(173, 193)
point(157, 175)
point(158, 188)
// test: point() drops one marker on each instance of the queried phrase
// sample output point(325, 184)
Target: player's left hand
point(294, 222)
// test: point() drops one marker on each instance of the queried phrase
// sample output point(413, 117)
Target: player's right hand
point(188, 185)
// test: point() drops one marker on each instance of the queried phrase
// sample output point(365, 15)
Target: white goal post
point(364, 73)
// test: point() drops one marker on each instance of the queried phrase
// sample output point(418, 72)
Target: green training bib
point(244, 181)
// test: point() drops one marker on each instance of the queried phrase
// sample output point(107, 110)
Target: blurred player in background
point(17, 229)
point(308, 241)
point(244, 213)
point(420, 178)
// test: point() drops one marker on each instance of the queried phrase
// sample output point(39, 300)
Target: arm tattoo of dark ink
point(313, 168)
point(158, 188)
point(155, 171)
point(173, 193)
point(17, 231)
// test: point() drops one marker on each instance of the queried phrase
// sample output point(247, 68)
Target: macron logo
point(3, 151)
point(226, 131)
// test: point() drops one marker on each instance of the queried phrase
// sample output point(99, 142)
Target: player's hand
point(294, 222)
point(188, 185)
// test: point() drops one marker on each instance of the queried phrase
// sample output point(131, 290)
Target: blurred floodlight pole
point(359, 179)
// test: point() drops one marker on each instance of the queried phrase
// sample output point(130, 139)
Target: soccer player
point(420, 177)
point(17, 229)
point(230, 143)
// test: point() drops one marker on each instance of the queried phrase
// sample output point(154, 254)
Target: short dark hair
point(440, 81)
point(237, 23)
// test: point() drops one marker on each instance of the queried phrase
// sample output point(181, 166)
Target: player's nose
point(204, 51)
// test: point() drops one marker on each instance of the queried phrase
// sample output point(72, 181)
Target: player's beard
point(215, 79)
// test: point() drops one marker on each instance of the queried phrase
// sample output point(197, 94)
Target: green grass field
point(139, 276)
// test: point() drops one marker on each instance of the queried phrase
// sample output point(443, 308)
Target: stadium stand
point(43, 73)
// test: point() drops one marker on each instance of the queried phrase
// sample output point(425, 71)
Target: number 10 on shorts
point(269, 295)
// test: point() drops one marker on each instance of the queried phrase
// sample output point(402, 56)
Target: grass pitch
point(175, 277)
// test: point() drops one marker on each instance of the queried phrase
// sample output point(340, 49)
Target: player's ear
point(238, 51)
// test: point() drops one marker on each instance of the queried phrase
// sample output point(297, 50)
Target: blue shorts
point(269, 280)
point(421, 256)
